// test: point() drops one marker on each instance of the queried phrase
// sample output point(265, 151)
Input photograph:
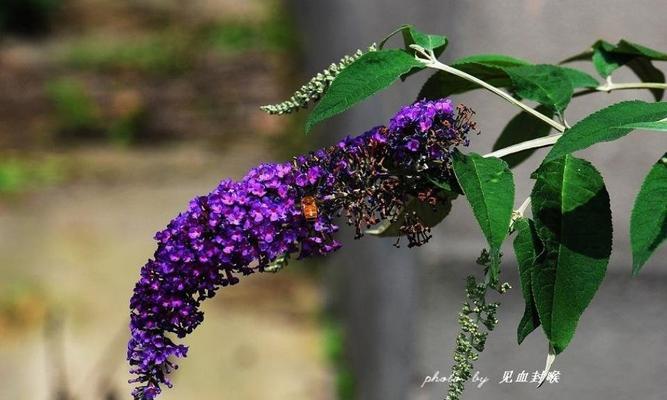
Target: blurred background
point(113, 114)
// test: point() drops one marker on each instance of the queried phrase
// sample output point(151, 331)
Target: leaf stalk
point(430, 61)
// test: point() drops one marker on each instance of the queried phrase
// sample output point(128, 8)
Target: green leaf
point(627, 47)
point(429, 215)
point(606, 60)
point(522, 127)
point(546, 84)
point(496, 60)
point(608, 124)
point(648, 224)
point(570, 207)
point(528, 249)
point(369, 74)
point(489, 187)
point(487, 67)
point(646, 72)
point(412, 35)
point(580, 79)
point(437, 43)
point(607, 57)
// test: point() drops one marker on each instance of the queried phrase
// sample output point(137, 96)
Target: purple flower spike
point(242, 227)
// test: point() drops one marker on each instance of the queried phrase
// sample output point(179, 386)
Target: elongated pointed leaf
point(607, 57)
point(372, 72)
point(546, 84)
point(608, 124)
point(528, 249)
point(573, 220)
point(522, 127)
point(648, 225)
point(628, 47)
point(489, 188)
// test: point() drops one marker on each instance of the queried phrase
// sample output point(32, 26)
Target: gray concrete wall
point(400, 306)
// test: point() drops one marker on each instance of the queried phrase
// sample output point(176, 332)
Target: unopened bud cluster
point(315, 88)
point(476, 314)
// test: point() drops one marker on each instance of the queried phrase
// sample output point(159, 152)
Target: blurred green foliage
point(334, 346)
point(166, 52)
point(174, 51)
point(19, 174)
point(124, 129)
point(27, 17)
point(78, 115)
point(276, 33)
point(76, 111)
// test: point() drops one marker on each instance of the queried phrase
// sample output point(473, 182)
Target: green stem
point(524, 206)
point(610, 87)
point(519, 213)
point(431, 62)
point(550, 140)
point(527, 145)
point(634, 85)
point(389, 36)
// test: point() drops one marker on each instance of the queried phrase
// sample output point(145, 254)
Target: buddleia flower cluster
point(475, 315)
point(315, 88)
point(252, 225)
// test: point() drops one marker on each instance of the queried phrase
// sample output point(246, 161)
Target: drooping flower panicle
point(242, 227)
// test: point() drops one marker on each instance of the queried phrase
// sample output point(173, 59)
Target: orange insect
point(309, 208)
